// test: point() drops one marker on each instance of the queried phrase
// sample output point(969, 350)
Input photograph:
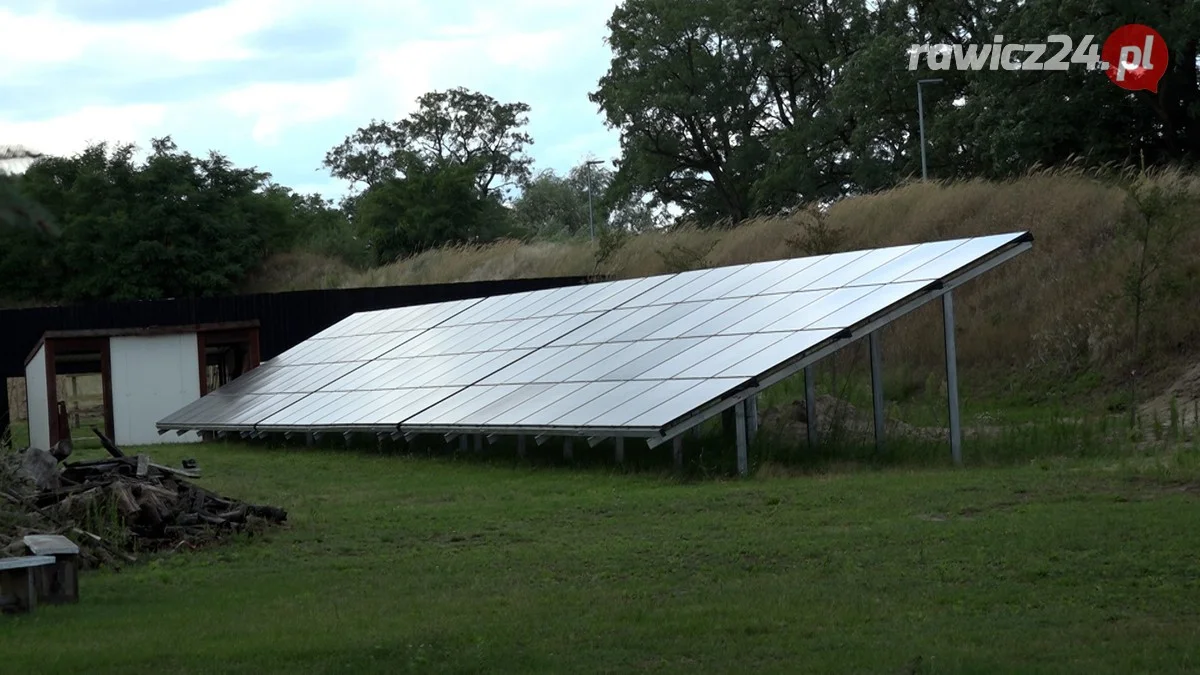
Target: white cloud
point(209, 35)
point(214, 34)
point(332, 189)
point(72, 132)
point(601, 145)
point(38, 39)
point(493, 47)
point(396, 50)
point(277, 107)
point(529, 51)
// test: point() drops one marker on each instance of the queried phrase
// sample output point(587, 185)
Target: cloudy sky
point(276, 83)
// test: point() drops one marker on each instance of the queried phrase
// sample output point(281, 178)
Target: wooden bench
point(19, 581)
point(57, 583)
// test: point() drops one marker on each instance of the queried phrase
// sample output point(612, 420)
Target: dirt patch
point(1183, 395)
point(1160, 486)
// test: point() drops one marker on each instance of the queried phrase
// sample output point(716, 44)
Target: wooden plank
point(98, 541)
point(101, 464)
point(143, 466)
point(50, 545)
point(21, 588)
point(185, 473)
point(108, 444)
point(58, 583)
point(25, 562)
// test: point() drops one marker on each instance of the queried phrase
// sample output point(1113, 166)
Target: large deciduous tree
point(552, 204)
point(728, 108)
point(1000, 123)
point(680, 89)
point(17, 210)
point(817, 145)
point(438, 176)
point(173, 225)
point(429, 207)
point(457, 127)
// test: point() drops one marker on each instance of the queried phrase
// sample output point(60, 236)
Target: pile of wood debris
point(116, 507)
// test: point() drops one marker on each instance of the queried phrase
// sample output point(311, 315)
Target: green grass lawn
point(82, 435)
point(409, 564)
point(20, 434)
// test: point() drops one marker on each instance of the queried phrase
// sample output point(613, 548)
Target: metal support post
point(620, 451)
point(729, 421)
point(877, 388)
point(677, 452)
point(752, 418)
point(521, 446)
point(952, 379)
point(810, 405)
point(569, 449)
point(921, 122)
point(743, 463)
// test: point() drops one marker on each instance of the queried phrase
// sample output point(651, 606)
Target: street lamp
point(921, 118)
point(591, 217)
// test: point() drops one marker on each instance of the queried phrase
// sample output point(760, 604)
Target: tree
point(309, 222)
point(174, 225)
point(10, 153)
point(27, 235)
point(552, 204)
point(456, 127)
point(17, 210)
point(326, 229)
point(1000, 123)
point(29, 266)
point(821, 144)
point(728, 108)
point(637, 214)
point(429, 207)
point(681, 92)
point(1160, 280)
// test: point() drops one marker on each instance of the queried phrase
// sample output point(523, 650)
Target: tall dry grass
point(299, 271)
point(1045, 309)
point(1053, 311)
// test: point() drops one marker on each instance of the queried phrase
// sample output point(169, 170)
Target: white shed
point(147, 373)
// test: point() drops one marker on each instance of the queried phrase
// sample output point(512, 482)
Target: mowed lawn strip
point(398, 564)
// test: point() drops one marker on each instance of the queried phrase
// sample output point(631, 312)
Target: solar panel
point(631, 357)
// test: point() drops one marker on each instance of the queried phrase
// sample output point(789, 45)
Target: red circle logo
point(1136, 56)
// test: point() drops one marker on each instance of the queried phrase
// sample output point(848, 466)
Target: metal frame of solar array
point(647, 357)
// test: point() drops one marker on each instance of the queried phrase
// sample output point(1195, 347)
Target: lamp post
point(921, 119)
point(591, 217)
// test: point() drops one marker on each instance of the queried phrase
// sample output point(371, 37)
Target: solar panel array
point(620, 358)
